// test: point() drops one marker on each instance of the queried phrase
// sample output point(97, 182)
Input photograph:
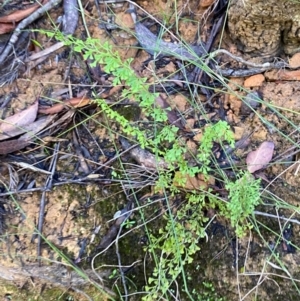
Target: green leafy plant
point(137, 89)
point(177, 242)
point(244, 195)
point(218, 132)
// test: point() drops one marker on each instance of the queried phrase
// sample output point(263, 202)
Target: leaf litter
point(260, 158)
point(14, 125)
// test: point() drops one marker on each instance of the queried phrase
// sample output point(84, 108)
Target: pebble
point(294, 61)
point(254, 81)
point(250, 103)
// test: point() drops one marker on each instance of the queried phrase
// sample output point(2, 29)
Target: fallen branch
point(71, 16)
point(292, 220)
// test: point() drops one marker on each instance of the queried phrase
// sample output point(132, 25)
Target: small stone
point(292, 75)
point(294, 61)
point(250, 103)
point(254, 81)
point(235, 102)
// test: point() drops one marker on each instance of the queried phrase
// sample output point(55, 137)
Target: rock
point(124, 20)
point(275, 75)
point(250, 103)
point(254, 81)
point(265, 28)
point(294, 61)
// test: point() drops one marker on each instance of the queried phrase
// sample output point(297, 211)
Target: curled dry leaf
point(13, 145)
point(12, 125)
point(259, 158)
point(30, 129)
point(172, 116)
point(21, 14)
point(77, 102)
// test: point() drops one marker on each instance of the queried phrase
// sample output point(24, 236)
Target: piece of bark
point(19, 15)
point(71, 16)
point(7, 147)
point(58, 275)
point(142, 156)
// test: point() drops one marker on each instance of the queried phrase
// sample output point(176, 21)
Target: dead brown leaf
point(10, 146)
point(112, 91)
point(12, 125)
point(77, 102)
point(45, 122)
point(172, 116)
point(259, 158)
point(30, 129)
point(38, 126)
point(199, 182)
point(19, 15)
point(6, 27)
